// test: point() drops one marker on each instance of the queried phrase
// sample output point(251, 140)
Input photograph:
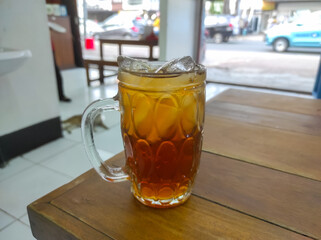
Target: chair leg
point(101, 73)
point(87, 74)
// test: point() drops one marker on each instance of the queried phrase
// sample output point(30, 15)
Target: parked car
point(218, 27)
point(303, 32)
point(122, 25)
point(92, 27)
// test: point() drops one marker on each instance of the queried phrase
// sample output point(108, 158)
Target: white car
point(92, 27)
point(303, 32)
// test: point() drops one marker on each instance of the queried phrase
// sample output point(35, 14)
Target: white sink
point(12, 59)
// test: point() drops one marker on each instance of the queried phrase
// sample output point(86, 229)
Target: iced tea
point(162, 119)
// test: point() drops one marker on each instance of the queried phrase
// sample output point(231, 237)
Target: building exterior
point(288, 8)
point(279, 11)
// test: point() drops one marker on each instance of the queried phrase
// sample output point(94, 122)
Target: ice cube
point(133, 65)
point(184, 64)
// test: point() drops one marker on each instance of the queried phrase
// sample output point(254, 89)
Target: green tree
point(216, 7)
point(212, 8)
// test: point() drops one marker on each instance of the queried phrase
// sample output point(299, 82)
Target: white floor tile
point(75, 107)
point(75, 135)
point(102, 91)
point(13, 167)
point(74, 161)
point(110, 118)
point(75, 87)
point(110, 140)
point(16, 231)
point(48, 150)
point(25, 219)
point(5, 219)
point(105, 155)
point(74, 80)
point(28, 186)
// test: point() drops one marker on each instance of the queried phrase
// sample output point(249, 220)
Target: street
point(247, 60)
point(244, 60)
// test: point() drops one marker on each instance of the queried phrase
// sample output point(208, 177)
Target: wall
point(28, 95)
point(179, 30)
point(286, 7)
point(29, 107)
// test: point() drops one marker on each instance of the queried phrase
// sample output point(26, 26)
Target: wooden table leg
point(101, 66)
point(101, 51)
point(87, 73)
point(101, 73)
point(119, 49)
point(150, 52)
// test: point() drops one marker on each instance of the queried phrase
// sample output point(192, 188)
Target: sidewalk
point(255, 78)
point(245, 60)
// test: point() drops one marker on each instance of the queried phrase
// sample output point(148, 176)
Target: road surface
point(247, 60)
point(243, 61)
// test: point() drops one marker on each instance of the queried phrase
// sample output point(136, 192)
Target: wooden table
point(149, 43)
point(260, 178)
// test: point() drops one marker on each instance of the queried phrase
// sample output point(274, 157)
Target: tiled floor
point(32, 175)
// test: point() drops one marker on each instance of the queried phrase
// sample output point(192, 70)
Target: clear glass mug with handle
point(162, 115)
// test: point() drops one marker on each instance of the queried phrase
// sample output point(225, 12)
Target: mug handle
point(103, 168)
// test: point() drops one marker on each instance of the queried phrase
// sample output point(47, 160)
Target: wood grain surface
point(293, 122)
point(259, 178)
point(279, 102)
point(287, 151)
point(290, 201)
point(111, 209)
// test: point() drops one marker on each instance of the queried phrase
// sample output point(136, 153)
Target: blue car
point(304, 32)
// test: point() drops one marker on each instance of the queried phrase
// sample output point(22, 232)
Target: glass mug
point(162, 116)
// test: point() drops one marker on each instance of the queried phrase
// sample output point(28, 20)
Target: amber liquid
point(162, 134)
